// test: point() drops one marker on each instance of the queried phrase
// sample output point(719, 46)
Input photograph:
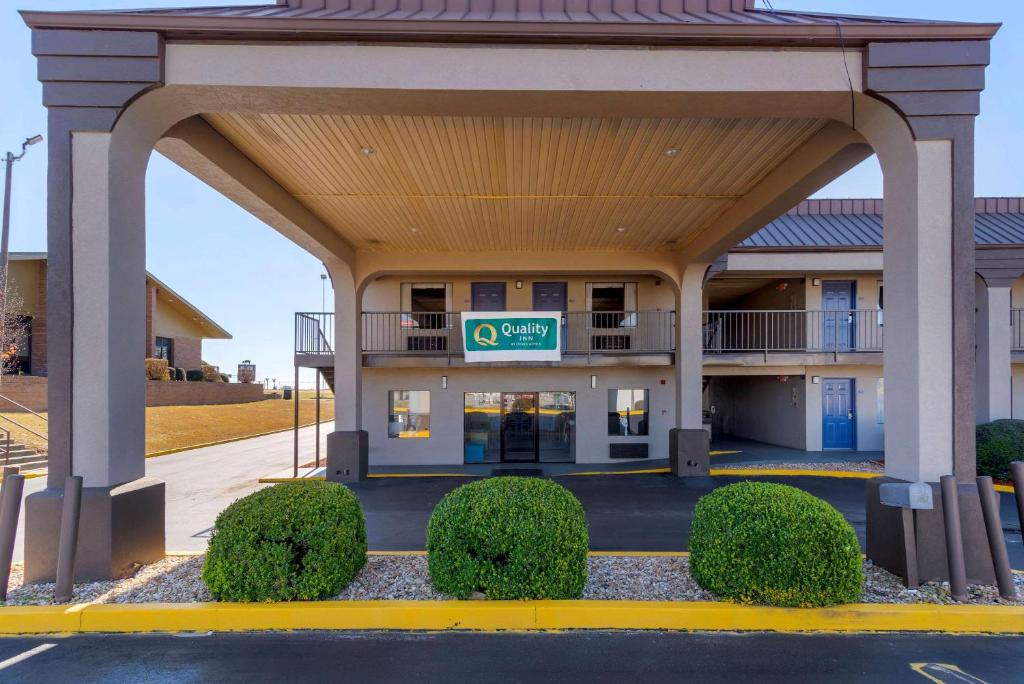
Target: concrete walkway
point(202, 482)
point(750, 452)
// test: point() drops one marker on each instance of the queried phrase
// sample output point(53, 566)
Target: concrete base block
point(348, 455)
point(689, 452)
point(121, 528)
point(885, 546)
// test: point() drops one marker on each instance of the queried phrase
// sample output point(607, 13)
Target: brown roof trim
point(269, 28)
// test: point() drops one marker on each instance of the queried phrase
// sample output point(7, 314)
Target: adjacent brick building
point(175, 329)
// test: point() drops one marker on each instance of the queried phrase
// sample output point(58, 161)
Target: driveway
point(202, 482)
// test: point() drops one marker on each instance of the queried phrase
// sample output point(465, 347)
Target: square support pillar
point(96, 304)
point(348, 446)
point(993, 351)
point(686, 449)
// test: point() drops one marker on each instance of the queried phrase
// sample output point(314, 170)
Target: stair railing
point(7, 433)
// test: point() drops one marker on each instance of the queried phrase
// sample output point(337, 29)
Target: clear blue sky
point(251, 280)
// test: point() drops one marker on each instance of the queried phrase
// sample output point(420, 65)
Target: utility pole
point(5, 235)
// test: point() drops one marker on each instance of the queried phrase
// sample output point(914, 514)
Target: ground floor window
point(627, 412)
point(409, 413)
point(520, 427)
point(163, 348)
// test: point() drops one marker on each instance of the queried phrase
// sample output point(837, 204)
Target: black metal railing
point(855, 330)
point(314, 332)
point(583, 332)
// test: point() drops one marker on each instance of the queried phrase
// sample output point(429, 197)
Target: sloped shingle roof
point(826, 224)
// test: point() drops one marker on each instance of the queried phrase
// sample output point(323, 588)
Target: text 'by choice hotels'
point(510, 336)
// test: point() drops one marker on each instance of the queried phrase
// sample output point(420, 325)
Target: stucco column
point(348, 445)
point(688, 441)
point(97, 304)
point(690, 348)
point(919, 343)
point(993, 351)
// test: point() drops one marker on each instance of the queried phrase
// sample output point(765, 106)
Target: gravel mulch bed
point(849, 466)
point(646, 578)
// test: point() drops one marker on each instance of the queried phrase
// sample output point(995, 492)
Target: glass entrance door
point(519, 426)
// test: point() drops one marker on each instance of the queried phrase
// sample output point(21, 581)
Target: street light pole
point(5, 235)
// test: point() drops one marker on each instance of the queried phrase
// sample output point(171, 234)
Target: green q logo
point(486, 335)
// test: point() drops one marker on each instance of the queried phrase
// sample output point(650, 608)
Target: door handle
point(849, 415)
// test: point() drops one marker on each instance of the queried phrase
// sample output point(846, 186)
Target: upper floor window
point(163, 348)
point(426, 304)
point(613, 304)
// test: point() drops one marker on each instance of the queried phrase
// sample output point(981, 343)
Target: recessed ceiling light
point(620, 230)
point(368, 151)
point(671, 152)
point(414, 230)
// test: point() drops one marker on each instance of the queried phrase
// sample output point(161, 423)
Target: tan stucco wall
point(870, 433)
point(384, 294)
point(445, 445)
point(171, 322)
point(24, 276)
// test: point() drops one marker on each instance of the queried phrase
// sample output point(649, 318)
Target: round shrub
point(509, 538)
point(758, 542)
point(292, 541)
point(999, 443)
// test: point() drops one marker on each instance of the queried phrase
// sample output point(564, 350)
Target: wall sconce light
point(593, 382)
point(815, 379)
point(519, 284)
point(816, 282)
point(444, 382)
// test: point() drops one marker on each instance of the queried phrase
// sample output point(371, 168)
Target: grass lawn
point(174, 427)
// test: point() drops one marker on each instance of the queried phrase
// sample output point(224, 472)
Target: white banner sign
point(512, 336)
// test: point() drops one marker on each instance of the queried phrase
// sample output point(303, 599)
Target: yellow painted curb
point(389, 475)
point(176, 450)
point(507, 615)
point(792, 472)
point(30, 475)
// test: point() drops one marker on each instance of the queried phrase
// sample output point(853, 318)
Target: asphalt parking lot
point(513, 657)
point(624, 512)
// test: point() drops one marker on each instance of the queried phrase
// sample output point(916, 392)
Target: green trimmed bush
point(224, 377)
point(179, 374)
point(509, 538)
point(758, 542)
point(999, 443)
point(194, 375)
point(292, 541)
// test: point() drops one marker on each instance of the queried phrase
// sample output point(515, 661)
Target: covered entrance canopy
point(556, 138)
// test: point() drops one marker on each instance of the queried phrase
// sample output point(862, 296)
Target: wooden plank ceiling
point(423, 184)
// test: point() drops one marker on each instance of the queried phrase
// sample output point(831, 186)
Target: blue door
point(839, 416)
point(837, 300)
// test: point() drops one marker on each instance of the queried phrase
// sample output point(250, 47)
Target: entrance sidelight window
point(163, 348)
point(627, 412)
point(409, 413)
point(426, 305)
point(613, 304)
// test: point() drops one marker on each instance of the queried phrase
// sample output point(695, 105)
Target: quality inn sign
point(512, 336)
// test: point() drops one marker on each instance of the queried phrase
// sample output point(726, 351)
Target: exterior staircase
point(23, 457)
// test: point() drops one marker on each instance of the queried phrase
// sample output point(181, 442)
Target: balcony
point(732, 334)
point(391, 338)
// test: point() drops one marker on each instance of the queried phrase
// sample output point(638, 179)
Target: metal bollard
point(954, 538)
point(10, 507)
point(1017, 468)
point(996, 541)
point(67, 546)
